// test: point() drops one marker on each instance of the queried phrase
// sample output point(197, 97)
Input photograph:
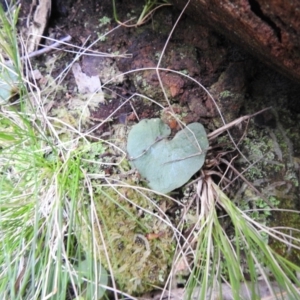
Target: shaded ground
point(240, 85)
point(194, 50)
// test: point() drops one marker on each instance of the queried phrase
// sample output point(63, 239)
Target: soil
point(239, 83)
point(193, 49)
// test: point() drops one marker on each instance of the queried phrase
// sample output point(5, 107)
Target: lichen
point(273, 171)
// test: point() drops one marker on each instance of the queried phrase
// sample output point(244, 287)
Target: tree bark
point(269, 29)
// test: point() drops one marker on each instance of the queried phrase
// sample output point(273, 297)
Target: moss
point(128, 227)
point(126, 216)
point(289, 220)
point(272, 149)
point(226, 94)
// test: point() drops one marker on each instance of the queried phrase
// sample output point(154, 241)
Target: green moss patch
point(125, 217)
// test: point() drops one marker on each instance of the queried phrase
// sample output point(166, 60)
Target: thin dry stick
point(208, 93)
point(238, 175)
point(163, 53)
point(226, 171)
point(159, 63)
point(184, 158)
point(158, 139)
point(220, 130)
point(247, 182)
point(46, 49)
point(96, 225)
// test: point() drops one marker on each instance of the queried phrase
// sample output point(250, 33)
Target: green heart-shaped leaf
point(166, 164)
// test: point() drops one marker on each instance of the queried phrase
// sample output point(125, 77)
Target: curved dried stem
point(145, 15)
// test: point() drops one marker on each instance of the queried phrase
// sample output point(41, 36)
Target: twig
point(239, 175)
point(158, 139)
point(220, 130)
point(47, 48)
point(184, 158)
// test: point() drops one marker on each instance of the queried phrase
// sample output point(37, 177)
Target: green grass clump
point(240, 258)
